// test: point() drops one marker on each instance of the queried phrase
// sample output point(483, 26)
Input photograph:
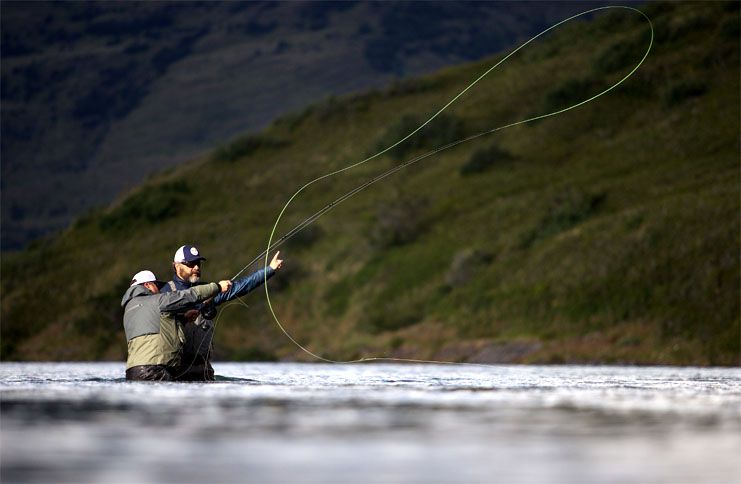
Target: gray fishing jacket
point(154, 336)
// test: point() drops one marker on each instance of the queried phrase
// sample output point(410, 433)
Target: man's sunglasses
point(192, 264)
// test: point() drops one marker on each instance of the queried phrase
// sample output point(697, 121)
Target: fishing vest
point(199, 336)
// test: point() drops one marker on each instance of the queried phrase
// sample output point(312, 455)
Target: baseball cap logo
point(194, 251)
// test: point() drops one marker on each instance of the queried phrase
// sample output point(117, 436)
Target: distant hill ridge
point(606, 235)
point(96, 96)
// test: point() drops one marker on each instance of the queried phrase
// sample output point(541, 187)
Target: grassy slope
point(609, 234)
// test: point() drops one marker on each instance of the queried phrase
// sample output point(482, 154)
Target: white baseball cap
point(144, 276)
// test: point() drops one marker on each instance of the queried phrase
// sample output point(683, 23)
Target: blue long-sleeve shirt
point(240, 286)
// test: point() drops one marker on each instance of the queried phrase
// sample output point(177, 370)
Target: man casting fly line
point(198, 324)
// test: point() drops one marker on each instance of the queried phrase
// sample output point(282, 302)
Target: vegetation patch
point(444, 129)
point(681, 26)
point(565, 210)
point(305, 238)
point(484, 159)
point(623, 54)
point(293, 121)
point(245, 146)
point(682, 90)
point(398, 222)
point(102, 323)
point(464, 264)
point(150, 205)
point(393, 315)
point(568, 93)
point(337, 297)
point(730, 28)
point(405, 87)
point(253, 353)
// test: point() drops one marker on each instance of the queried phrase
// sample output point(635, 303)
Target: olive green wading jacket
point(154, 336)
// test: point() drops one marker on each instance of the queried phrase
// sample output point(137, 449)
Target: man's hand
point(276, 263)
point(225, 285)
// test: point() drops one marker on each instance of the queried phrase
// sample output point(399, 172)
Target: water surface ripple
point(371, 423)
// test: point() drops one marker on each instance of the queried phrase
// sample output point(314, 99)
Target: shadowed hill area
point(607, 234)
point(96, 96)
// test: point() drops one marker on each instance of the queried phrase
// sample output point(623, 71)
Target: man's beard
point(194, 278)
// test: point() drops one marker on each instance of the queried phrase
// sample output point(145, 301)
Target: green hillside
point(607, 234)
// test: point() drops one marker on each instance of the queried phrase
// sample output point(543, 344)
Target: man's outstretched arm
point(246, 284)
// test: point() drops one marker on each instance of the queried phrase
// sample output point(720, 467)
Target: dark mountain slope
point(96, 96)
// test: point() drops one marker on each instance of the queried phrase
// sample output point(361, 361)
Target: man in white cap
point(199, 327)
point(155, 338)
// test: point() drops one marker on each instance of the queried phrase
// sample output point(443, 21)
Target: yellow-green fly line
point(272, 245)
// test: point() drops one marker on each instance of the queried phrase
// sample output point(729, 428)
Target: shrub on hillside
point(571, 207)
point(245, 146)
point(623, 54)
point(444, 129)
point(565, 210)
point(464, 263)
point(729, 28)
point(394, 316)
point(293, 121)
point(643, 84)
point(149, 206)
point(484, 159)
point(398, 222)
point(683, 89)
point(679, 27)
point(305, 237)
point(568, 93)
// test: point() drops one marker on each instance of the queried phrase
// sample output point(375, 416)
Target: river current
point(372, 423)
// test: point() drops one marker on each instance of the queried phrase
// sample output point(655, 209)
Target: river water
point(372, 423)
